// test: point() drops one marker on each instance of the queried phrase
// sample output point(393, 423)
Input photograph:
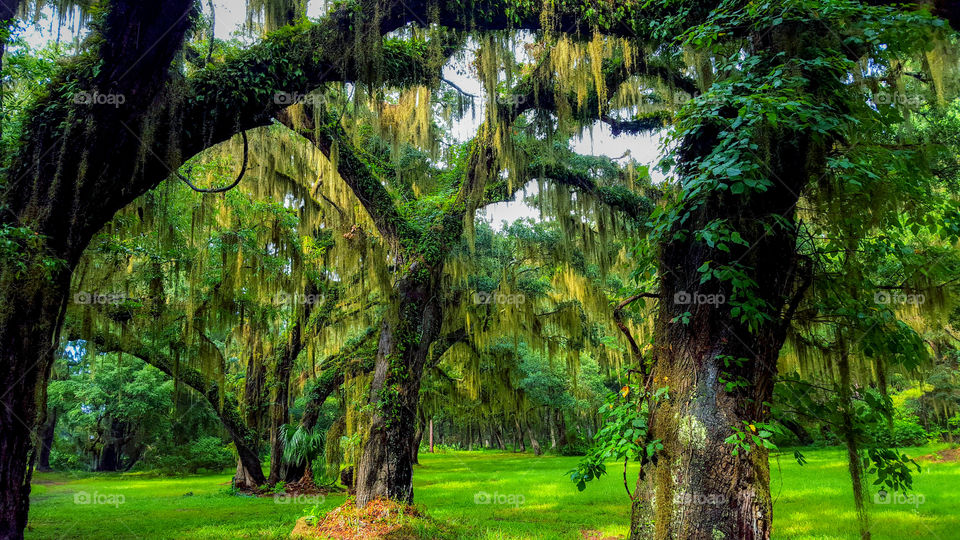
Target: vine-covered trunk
point(718, 368)
point(386, 466)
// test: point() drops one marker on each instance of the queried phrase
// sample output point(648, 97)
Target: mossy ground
point(482, 495)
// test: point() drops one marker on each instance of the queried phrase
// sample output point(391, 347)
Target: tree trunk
point(245, 479)
point(520, 446)
point(112, 451)
point(415, 447)
point(46, 441)
point(562, 428)
point(553, 429)
point(327, 383)
point(280, 408)
point(695, 487)
point(431, 435)
point(498, 435)
point(408, 330)
point(533, 442)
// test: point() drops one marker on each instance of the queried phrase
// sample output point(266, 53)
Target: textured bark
point(386, 466)
point(695, 487)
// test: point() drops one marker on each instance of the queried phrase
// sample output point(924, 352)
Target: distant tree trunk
point(553, 429)
point(520, 446)
point(112, 451)
point(498, 435)
point(431, 435)
point(415, 449)
point(562, 428)
point(46, 441)
point(533, 441)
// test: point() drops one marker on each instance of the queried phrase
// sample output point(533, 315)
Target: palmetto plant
point(301, 446)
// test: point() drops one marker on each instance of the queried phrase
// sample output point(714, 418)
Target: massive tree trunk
point(695, 487)
point(408, 330)
point(47, 179)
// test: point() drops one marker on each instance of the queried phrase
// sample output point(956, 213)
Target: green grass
point(532, 498)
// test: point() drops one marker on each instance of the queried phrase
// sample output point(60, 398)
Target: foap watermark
point(887, 298)
point(110, 499)
point(700, 499)
point(512, 99)
point(96, 98)
point(685, 298)
point(508, 499)
point(294, 98)
point(287, 498)
point(911, 499)
point(100, 299)
point(284, 298)
point(897, 98)
point(481, 297)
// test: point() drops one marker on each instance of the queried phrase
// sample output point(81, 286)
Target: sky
point(595, 140)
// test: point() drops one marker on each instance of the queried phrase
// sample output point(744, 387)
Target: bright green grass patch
point(485, 495)
point(90, 506)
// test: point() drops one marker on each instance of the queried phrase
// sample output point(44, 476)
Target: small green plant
point(752, 435)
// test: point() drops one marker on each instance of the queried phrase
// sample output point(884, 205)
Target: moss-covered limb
point(636, 207)
point(224, 403)
point(636, 126)
point(355, 358)
point(358, 172)
point(444, 343)
point(630, 19)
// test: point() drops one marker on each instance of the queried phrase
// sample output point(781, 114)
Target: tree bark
point(431, 435)
point(534, 443)
point(695, 487)
point(46, 441)
point(386, 465)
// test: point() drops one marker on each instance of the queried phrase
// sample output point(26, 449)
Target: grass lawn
point(480, 495)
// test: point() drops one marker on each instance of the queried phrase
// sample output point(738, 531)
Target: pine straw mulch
point(943, 456)
point(302, 487)
point(380, 518)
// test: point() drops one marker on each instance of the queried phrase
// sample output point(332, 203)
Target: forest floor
point(484, 495)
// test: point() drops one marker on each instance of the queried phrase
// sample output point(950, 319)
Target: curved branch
point(243, 169)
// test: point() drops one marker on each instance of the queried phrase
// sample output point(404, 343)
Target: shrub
point(207, 453)
point(905, 432)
